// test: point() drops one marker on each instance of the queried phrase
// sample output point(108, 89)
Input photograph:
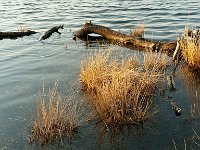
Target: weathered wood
point(136, 42)
point(48, 33)
point(15, 35)
point(176, 52)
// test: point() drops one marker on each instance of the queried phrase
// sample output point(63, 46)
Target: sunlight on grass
point(191, 49)
point(56, 117)
point(155, 62)
point(138, 31)
point(121, 90)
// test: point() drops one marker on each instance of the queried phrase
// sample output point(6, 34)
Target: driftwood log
point(15, 35)
point(126, 40)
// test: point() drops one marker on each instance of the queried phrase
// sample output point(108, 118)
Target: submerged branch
point(48, 33)
point(15, 35)
point(21, 33)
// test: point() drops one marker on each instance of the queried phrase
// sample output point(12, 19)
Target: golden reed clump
point(138, 31)
point(190, 46)
point(56, 118)
point(121, 90)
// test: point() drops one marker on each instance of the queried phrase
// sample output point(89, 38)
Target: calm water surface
point(26, 64)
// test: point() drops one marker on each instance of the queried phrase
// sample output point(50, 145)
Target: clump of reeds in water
point(121, 90)
point(56, 118)
point(190, 46)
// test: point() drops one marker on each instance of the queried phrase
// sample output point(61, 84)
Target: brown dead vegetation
point(190, 46)
point(56, 118)
point(121, 90)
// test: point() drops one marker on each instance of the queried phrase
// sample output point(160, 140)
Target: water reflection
point(191, 79)
point(25, 61)
point(118, 138)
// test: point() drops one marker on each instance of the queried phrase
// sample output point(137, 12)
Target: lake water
point(26, 64)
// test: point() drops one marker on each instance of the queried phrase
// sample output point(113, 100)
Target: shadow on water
point(101, 138)
point(126, 137)
point(191, 80)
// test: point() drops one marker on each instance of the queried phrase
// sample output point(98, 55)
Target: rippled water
point(26, 64)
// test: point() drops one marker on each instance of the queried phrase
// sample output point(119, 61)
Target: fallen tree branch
point(48, 33)
point(117, 37)
point(15, 35)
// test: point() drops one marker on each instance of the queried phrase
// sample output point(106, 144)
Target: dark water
point(26, 64)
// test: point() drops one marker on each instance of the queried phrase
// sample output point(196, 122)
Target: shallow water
point(26, 64)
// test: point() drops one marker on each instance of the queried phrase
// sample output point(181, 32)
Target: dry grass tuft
point(23, 28)
point(191, 49)
point(138, 31)
point(55, 119)
point(121, 90)
point(155, 62)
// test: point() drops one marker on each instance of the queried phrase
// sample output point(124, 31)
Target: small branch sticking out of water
point(48, 33)
point(171, 83)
